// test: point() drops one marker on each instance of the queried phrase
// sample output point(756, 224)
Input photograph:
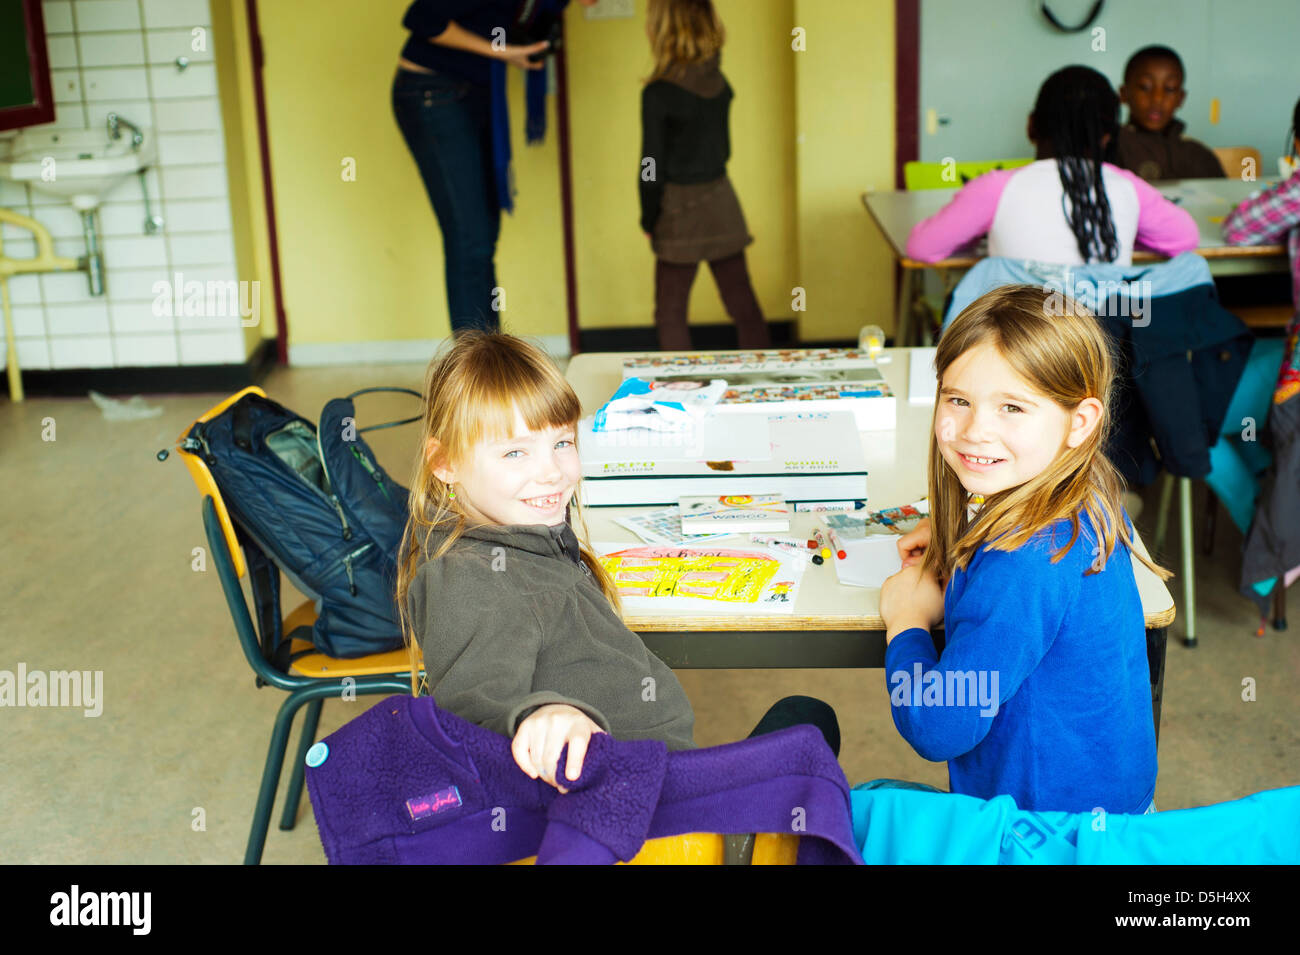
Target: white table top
point(896, 464)
point(1208, 201)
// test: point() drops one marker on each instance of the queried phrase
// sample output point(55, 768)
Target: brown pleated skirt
point(700, 222)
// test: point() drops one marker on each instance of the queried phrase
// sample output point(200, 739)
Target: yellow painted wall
point(362, 261)
point(844, 94)
point(243, 163)
point(608, 62)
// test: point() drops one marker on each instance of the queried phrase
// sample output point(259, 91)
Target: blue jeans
point(447, 126)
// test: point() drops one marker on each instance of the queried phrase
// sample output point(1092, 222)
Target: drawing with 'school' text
point(745, 579)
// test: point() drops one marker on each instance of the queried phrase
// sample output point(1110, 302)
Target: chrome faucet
point(115, 123)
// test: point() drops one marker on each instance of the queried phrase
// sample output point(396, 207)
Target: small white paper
point(922, 382)
point(869, 561)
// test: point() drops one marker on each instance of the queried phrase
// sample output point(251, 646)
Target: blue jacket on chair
point(907, 826)
point(1182, 353)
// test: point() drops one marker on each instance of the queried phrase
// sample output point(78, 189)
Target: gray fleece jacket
point(511, 619)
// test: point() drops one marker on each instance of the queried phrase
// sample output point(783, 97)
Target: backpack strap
point(283, 655)
point(390, 424)
point(241, 423)
point(264, 578)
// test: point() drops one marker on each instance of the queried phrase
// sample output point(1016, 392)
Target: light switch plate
point(611, 10)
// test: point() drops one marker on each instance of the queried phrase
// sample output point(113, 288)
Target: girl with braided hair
point(1071, 206)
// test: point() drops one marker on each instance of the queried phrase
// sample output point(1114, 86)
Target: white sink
point(81, 165)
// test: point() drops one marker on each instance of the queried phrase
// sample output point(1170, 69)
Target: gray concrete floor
point(97, 567)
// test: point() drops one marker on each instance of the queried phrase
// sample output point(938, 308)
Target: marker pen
point(831, 506)
point(837, 544)
point(784, 542)
point(821, 544)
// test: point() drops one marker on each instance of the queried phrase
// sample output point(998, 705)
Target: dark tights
point(673, 292)
point(795, 710)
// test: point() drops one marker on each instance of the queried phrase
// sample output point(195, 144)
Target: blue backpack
point(315, 504)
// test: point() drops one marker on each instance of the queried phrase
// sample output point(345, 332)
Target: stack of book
point(778, 381)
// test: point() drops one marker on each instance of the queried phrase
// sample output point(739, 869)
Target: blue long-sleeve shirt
point(1043, 690)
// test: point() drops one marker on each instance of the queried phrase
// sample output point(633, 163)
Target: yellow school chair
point(309, 679)
point(709, 848)
point(1231, 158)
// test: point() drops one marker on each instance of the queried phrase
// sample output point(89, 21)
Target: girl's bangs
point(544, 400)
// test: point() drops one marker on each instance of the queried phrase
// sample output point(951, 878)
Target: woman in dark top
point(449, 100)
point(688, 207)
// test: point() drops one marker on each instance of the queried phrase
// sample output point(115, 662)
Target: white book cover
point(811, 457)
point(734, 513)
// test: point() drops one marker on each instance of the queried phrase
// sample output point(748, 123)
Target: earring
point(451, 492)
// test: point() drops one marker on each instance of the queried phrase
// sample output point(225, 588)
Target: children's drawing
point(703, 578)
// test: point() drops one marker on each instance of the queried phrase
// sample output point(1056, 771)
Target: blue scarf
point(535, 123)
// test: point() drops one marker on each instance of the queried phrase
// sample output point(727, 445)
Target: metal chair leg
point(1210, 523)
point(292, 799)
point(271, 776)
point(1162, 514)
point(1189, 558)
point(903, 330)
point(280, 742)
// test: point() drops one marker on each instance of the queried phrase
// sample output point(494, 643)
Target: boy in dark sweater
point(1151, 143)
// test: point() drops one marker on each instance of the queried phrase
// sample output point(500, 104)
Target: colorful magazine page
point(664, 526)
point(668, 405)
point(817, 361)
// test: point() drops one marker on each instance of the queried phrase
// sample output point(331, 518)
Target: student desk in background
point(1208, 201)
point(832, 625)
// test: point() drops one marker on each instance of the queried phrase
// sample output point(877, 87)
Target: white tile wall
point(110, 49)
point(58, 16)
point(86, 351)
point(117, 83)
point(119, 56)
point(175, 13)
point(164, 46)
point(132, 350)
point(95, 16)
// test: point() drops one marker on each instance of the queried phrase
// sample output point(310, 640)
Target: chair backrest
point(207, 486)
point(953, 175)
point(1232, 159)
point(226, 551)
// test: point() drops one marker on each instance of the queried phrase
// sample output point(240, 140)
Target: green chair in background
point(923, 312)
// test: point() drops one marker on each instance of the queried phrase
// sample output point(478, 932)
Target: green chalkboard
point(15, 70)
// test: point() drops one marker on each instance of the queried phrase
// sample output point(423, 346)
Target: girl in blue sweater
point(1042, 691)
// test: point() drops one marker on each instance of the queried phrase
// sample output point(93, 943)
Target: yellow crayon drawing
point(738, 576)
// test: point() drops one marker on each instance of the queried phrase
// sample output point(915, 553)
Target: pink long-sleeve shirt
point(1268, 217)
point(1021, 211)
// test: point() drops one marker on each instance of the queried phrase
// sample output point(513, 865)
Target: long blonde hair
point(1058, 347)
point(682, 32)
point(471, 391)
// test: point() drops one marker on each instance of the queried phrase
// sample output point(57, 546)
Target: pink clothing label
point(421, 807)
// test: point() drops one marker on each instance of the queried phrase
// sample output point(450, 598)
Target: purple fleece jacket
point(407, 782)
